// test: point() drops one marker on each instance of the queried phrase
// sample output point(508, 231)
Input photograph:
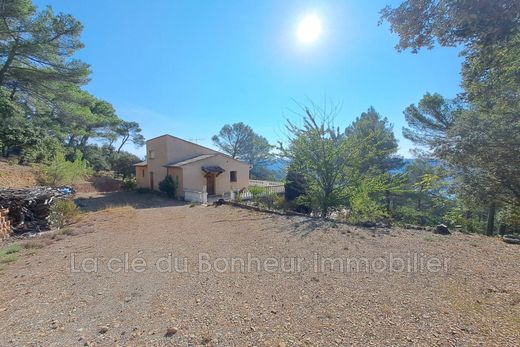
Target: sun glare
point(309, 28)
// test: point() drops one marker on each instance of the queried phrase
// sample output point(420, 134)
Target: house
point(196, 169)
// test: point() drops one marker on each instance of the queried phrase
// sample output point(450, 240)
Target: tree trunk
point(83, 141)
point(491, 219)
point(13, 92)
point(8, 62)
point(125, 138)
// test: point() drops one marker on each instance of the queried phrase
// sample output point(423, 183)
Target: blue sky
point(189, 67)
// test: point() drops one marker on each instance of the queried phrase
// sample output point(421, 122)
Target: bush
point(129, 184)
point(268, 200)
point(364, 205)
point(256, 193)
point(50, 147)
point(294, 185)
point(168, 186)
point(64, 212)
point(122, 163)
point(509, 217)
point(411, 215)
point(97, 157)
point(63, 172)
point(279, 202)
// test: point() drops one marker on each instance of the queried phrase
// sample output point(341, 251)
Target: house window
point(233, 176)
point(151, 154)
point(143, 172)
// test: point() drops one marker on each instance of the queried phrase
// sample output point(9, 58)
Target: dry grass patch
point(47, 239)
point(434, 238)
point(66, 232)
point(115, 207)
point(37, 243)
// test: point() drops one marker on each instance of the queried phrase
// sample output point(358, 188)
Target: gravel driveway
point(158, 273)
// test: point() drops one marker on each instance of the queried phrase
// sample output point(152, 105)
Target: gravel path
point(469, 296)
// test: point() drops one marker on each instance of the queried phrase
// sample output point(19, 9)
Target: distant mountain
point(277, 164)
point(277, 168)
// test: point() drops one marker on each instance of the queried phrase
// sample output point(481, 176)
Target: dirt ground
point(16, 176)
point(55, 296)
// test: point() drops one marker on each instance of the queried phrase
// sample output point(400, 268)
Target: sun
point(309, 28)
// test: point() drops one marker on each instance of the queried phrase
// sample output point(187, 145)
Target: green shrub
point(63, 172)
point(256, 193)
point(129, 184)
point(411, 215)
point(364, 206)
point(509, 216)
point(279, 202)
point(122, 163)
point(168, 186)
point(64, 212)
point(267, 200)
point(294, 185)
point(48, 149)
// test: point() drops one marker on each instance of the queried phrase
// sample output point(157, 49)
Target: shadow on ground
point(91, 202)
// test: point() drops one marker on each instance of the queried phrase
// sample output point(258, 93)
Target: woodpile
point(28, 210)
point(5, 224)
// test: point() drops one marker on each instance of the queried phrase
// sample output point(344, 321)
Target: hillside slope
point(16, 176)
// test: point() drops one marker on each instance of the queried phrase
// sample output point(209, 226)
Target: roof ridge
point(190, 160)
point(190, 142)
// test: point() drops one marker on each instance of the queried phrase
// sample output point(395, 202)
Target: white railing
point(267, 188)
point(260, 183)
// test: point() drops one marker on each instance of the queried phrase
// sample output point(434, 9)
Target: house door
point(151, 180)
point(210, 184)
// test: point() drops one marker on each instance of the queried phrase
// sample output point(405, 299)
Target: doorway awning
point(213, 170)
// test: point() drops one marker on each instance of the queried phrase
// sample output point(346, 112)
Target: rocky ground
point(107, 281)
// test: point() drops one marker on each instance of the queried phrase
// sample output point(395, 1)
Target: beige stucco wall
point(193, 176)
point(141, 176)
point(169, 149)
point(179, 150)
point(156, 165)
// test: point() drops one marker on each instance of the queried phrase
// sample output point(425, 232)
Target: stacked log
point(5, 224)
point(29, 209)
